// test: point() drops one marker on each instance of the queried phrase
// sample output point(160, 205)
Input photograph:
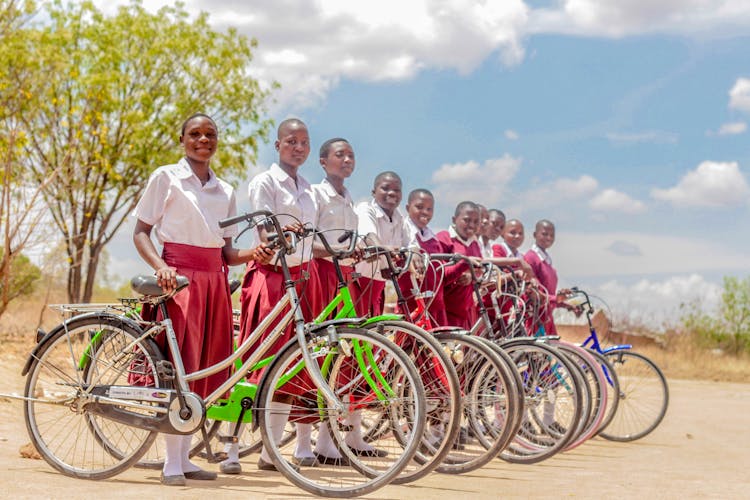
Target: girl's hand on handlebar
point(262, 254)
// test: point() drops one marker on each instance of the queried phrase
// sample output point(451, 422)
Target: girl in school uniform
point(460, 305)
point(381, 221)
point(183, 204)
point(283, 191)
point(419, 208)
point(541, 264)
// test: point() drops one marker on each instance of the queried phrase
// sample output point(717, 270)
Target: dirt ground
point(701, 450)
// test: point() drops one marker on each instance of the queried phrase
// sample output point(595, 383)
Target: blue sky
point(624, 122)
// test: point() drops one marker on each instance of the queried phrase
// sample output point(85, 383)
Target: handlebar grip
point(232, 220)
point(345, 236)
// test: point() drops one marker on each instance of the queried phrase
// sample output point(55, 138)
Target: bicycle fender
point(382, 317)
point(62, 327)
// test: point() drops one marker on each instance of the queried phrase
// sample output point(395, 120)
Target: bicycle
point(643, 390)
point(93, 408)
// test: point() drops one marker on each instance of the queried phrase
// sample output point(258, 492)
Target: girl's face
point(484, 222)
point(387, 194)
point(420, 210)
point(497, 223)
point(293, 145)
point(200, 139)
point(339, 163)
point(466, 222)
point(513, 234)
point(545, 236)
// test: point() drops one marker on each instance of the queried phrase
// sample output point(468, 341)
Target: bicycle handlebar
point(344, 253)
point(395, 270)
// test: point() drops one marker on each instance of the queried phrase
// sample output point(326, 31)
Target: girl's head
point(199, 137)
point(484, 221)
point(337, 159)
point(497, 223)
point(513, 234)
point(420, 206)
point(544, 234)
point(466, 219)
point(386, 190)
point(292, 143)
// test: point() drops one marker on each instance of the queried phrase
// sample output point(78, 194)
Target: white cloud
point(611, 200)
point(471, 180)
point(511, 135)
point(732, 128)
point(556, 192)
point(739, 95)
point(619, 18)
point(586, 254)
point(711, 184)
point(654, 302)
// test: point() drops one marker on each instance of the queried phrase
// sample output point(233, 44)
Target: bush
point(729, 329)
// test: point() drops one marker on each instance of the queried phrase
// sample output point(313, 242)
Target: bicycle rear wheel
point(90, 353)
point(443, 392)
point(490, 403)
point(394, 392)
point(554, 401)
point(644, 396)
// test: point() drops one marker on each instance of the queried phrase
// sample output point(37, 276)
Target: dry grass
point(676, 356)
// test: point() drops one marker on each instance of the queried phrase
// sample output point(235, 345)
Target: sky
point(625, 122)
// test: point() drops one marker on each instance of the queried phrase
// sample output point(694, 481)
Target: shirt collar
point(184, 171)
point(509, 252)
point(280, 175)
point(542, 253)
point(454, 234)
point(380, 213)
point(331, 191)
point(425, 234)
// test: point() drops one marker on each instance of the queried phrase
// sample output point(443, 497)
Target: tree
point(108, 109)
point(21, 213)
point(729, 328)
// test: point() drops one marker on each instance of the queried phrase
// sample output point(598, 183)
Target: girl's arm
point(235, 256)
point(166, 276)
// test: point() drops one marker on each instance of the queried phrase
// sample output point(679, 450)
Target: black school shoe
point(326, 460)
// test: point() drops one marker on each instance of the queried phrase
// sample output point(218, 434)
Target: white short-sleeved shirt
point(274, 190)
point(391, 231)
point(334, 213)
point(181, 210)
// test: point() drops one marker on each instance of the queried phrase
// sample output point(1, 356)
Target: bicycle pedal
point(165, 369)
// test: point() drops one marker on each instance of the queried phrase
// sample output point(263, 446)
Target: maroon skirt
point(201, 314)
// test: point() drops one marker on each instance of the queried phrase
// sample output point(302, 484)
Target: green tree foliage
point(109, 96)
point(729, 329)
point(20, 280)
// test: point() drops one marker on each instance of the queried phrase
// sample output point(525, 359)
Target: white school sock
point(303, 448)
point(187, 465)
point(324, 444)
point(279, 416)
point(548, 412)
point(354, 437)
point(173, 458)
point(233, 449)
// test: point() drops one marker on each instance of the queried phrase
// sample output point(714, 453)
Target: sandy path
point(701, 450)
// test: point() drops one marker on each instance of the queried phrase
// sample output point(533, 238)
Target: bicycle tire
point(644, 396)
point(407, 412)
point(551, 385)
point(83, 352)
point(490, 403)
point(442, 389)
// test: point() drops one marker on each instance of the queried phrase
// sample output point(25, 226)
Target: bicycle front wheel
point(644, 396)
point(90, 352)
point(370, 375)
